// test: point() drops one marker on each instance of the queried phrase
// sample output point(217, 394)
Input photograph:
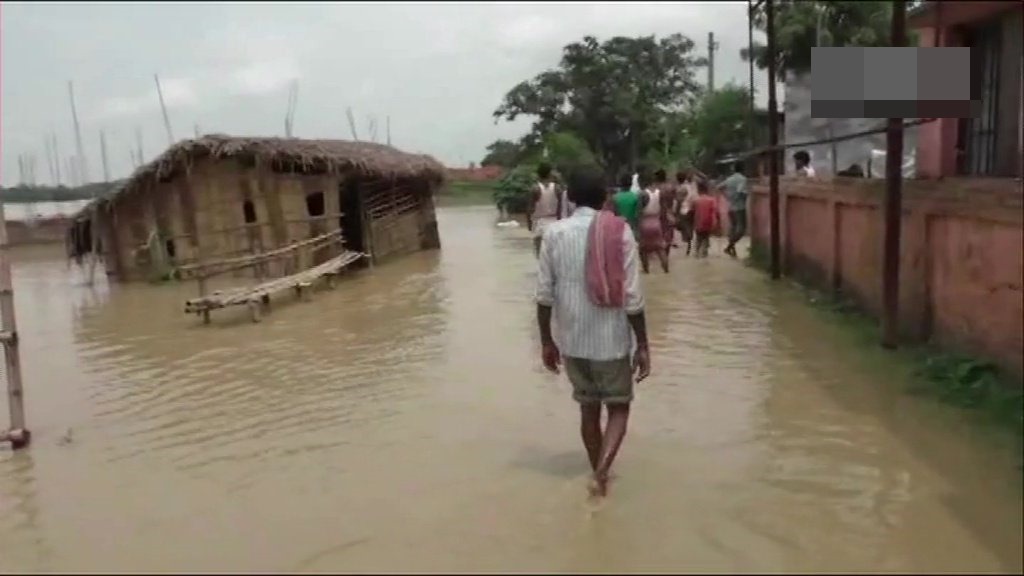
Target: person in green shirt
point(626, 203)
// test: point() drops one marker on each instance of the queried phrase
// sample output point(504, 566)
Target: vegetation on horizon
point(25, 194)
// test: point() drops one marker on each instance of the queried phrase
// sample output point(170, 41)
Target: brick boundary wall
point(43, 231)
point(960, 263)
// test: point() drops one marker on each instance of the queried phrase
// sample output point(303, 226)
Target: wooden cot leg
point(302, 290)
point(265, 300)
point(206, 316)
point(254, 309)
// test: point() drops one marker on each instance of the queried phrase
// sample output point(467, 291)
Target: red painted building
point(989, 145)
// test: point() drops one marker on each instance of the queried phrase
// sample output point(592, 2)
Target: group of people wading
point(655, 209)
point(588, 241)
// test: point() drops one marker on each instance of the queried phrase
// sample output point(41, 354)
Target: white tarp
point(867, 151)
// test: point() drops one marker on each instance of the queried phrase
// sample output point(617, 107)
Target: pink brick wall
point(961, 258)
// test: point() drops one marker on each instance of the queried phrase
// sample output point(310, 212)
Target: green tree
point(504, 153)
point(513, 191)
point(567, 152)
point(610, 94)
point(721, 124)
point(842, 23)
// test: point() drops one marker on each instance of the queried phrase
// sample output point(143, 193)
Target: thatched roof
point(366, 159)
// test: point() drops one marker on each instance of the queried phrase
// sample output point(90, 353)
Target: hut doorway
point(351, 221)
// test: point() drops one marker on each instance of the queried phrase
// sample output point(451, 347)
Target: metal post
point(893, 203)
point(18, 435)
point(773, 142)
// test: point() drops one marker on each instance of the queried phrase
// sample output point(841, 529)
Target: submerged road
point(402, 422)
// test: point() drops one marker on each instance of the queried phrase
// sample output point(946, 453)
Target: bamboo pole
point(352, 123)
point(893, 202)
point(103, 155)
point(56, 157)
point(163, 109)
point(82, 174)
point(138, 146)
point(49, 160)
point(18, 436)
point(773, 140)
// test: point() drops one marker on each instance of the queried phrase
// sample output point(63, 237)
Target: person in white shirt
point(686, 195)
point(802, 160)
point(595, 336)
point(546, 205)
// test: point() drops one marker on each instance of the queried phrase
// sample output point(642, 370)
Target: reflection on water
point(402, 422)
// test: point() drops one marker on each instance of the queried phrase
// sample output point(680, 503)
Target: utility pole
point(751, 127)
point(163, 109)
point(893, 201)
point(18, 435)
point(773, 142)
point(712, 46)
point(829, 122)
point(81, 174)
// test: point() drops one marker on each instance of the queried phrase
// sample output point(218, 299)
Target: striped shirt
point(584, 330)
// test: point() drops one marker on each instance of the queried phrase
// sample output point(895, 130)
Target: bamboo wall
point(203, 215)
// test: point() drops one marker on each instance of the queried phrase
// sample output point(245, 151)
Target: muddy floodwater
point(402, 422)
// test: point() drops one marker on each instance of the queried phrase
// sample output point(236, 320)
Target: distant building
point(39, 222)
point(989, 145)
point(475, 174)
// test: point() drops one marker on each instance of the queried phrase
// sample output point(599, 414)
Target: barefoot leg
point(615, 432)
point(590, 430)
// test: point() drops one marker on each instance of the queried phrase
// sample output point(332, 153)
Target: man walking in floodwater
point(588, 276)
point(735, 187)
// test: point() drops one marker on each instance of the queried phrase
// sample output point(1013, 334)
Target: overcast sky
point(438, 70)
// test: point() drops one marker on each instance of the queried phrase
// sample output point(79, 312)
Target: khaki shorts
point(600, 381)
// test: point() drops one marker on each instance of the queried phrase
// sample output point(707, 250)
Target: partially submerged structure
point(219, 197)
point(263, 207)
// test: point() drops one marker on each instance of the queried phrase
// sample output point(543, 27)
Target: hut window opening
point(169, 247)
point(249, 211)
point(315, 204)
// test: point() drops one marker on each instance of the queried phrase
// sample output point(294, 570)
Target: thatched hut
point(218, 197)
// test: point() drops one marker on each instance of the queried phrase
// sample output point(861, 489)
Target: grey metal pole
point(750, 60)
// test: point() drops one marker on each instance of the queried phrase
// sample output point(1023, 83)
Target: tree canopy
point(25, 193)
point(610, 95)
point(843, 23)
point(504, 153)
